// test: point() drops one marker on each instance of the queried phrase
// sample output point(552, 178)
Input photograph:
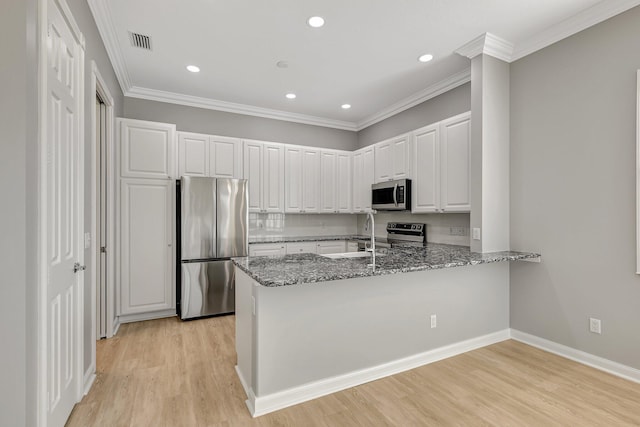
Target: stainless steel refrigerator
point(212, 221)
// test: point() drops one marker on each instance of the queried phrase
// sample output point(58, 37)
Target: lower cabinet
point(267, 249)
point(146, 246)
point(301, 248)
point(331, 247)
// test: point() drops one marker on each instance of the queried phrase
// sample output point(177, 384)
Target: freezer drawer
point(207, 288)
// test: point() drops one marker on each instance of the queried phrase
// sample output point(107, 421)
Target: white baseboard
point(116, 326)
point(139, 317)
point(89, 378)
point(248, 391)
point(260, 405)
point(606, 365)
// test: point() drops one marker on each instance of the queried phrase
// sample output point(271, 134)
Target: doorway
point(101, 209)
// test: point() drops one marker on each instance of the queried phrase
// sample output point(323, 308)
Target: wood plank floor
point(172, 373)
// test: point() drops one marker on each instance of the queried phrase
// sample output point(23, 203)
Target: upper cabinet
point(328, 190)
point(146, 149)
point(207, 155)
point(302, 176)
point(363, 177)
point(392, 159)
point(264, 168)
point(441, 166)
point(344, 183)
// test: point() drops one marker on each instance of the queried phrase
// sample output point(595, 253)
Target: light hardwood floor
point(172, 373)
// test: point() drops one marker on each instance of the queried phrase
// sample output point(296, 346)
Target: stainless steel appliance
point(406, 234)
point(391, 195)
point(212, 226)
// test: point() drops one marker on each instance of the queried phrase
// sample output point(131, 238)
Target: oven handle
point(395, 197)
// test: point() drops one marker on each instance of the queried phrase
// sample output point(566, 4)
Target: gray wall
point(573, 109)
point(441, 107)
point(94, 51)
point(18, 162)
point(212, 122)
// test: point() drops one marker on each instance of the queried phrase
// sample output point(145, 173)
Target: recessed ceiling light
point(193, 68)
point(282, 64)
point(291, 96)
point(315, 21)
point(425, 58)
point(346, 106)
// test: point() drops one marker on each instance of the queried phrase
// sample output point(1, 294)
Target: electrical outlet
point(595, 325)
point(457, 231)
point(434, 321)
point(476, 233)
point(87, 240)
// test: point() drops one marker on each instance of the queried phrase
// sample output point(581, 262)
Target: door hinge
point(103, 249)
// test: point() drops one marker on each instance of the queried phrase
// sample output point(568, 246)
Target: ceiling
point(365, 55)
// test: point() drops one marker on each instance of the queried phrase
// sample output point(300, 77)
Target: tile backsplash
point(286, 225)
point(448, 228)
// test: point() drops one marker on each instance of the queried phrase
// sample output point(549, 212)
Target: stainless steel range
point(406, 234)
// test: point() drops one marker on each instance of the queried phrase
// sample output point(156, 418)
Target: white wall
point(18, 222)
point(573, 190)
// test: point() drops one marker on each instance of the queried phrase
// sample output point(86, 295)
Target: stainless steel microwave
point(391, 195)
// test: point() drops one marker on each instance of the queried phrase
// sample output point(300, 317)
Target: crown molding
point(432, 91)
point(583, 20)
point(488, 44)
point(231, 107)
point(102, 16)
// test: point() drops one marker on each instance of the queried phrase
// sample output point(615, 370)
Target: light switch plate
point(476, 233)
point(87, 240)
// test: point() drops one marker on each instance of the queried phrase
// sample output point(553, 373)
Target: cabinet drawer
point(301, 248)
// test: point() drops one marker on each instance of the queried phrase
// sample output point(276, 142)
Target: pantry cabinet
point(441, 166)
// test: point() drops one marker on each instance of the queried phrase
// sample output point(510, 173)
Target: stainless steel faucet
point(372, 246)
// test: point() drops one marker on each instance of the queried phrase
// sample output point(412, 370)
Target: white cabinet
point(146, 253)
point(455, 165)
point(441, 158)
point(328, 182)
point(264, 168)
point(225, 157)
point(344, 183)
point(363, 177)
point(331, 247)
point(301, 248)
point(352, 246)
point(267, 249)
point(193, 150)
point(207, 155)
point(146, 149)
point(302, 179)
point(392, 159)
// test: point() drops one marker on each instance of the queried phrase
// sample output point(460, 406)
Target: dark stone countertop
point(311, 268)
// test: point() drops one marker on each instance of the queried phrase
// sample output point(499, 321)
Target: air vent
point(140, 40)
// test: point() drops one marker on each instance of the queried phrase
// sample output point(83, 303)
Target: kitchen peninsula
point(308, 325)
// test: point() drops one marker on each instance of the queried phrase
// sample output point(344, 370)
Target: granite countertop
point(296, 269)
point(282, 239)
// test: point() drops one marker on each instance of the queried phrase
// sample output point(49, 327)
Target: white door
point(64, 216)
point(146, 149)
point(253, 173)
point(344, 183)
point(273, 178)
point(293, 179)
point(455, 166)
point(193, 154)
point(368, 174)
point(384, 161)
point(328, 172)
point(225, 157)
point(401, 165)
point(310, 180)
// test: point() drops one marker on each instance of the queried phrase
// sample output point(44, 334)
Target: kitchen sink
point(351, 255)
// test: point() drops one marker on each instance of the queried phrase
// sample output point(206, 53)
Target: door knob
point(77, 267)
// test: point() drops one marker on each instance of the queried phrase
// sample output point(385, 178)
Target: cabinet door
point(333, 247)
point(293, 178)
point(273, 178)
point(425, 187)
point(253, 173)
point(225, 157)
point(401, 167)
point(267, 249)
point(193, 154)
point(343, 182)
point(357, 182)
point(368, 173)
point(146, 149)
point(146, 261)
point(301, 248)
point(328, 174)
point(311, 180)
point(383, 161)
point(455, 172)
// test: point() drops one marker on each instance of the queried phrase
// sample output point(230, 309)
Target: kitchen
point(557, 118)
